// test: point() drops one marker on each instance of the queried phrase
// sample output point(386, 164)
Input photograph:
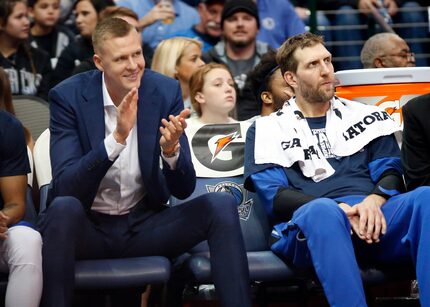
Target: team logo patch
point(239, 193)
point(268, 23)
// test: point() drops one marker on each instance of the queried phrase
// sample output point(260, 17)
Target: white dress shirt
point(122, 187)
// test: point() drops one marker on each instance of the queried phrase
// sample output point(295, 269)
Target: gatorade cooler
point(389, 88)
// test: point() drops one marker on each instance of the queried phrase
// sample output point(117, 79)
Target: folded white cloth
point(284, 137)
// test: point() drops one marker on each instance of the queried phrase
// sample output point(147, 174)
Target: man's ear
point(266, 97)
point(377, 62)
point(98, 62)
point(199, 97)
point(291, 79)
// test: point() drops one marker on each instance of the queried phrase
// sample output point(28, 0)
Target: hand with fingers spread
point(126, 117)
point(367, 219)
point(4, 220)
point(171, 131)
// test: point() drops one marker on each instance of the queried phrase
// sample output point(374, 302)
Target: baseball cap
point(233, 6)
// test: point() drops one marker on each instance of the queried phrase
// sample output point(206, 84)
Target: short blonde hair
point(110, 28)
point(168, 54)
point(118, 12)
point(197, 82)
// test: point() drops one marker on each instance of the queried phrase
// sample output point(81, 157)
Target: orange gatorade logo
point(223, 142)
point(391, 97)
point(219, 147)
point(393, 108)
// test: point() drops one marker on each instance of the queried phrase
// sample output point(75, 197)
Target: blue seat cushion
point(121, 273)
point(266, 266)
point(263, 266)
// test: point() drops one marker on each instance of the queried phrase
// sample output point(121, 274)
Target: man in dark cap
point(240, 50)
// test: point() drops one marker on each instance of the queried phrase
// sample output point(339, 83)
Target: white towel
point(284, 137)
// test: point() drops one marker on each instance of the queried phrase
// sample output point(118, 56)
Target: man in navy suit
point(109, 190)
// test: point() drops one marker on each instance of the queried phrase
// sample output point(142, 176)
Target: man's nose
point(132, 63)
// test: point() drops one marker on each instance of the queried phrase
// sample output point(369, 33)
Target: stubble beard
point(240, 43)
point(316, 96)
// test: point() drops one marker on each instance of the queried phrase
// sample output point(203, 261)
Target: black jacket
point(416, 142)
point(71, 57)
point(60, 38)
point(29, 71)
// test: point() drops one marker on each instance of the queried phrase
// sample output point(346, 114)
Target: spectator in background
point(208, 30)
point(353, 37)
point(29, 69)
point(127, 15)
point(386, 50)
point(20, 245)
point(278, 21)
point(161, 18)
point(415, 143)
point(213, 95)
point(240, 51)
point(86, 12)
point(268, 85)
point(7, 104)
point(302, 9)
point(5, 93)
point(46, 33)
point(179, 58)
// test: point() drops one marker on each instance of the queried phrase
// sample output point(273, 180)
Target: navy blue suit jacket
point(78, 155)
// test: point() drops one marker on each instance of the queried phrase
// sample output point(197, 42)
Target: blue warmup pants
point(319, 235)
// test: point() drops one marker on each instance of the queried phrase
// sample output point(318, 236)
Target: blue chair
point(102, 274)
point(264, 265)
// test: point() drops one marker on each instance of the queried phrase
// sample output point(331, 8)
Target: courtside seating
point(102, 274)
point(265, 267)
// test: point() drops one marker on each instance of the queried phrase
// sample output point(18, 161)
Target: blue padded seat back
point(253, 219)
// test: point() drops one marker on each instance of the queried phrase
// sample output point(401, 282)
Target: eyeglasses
point(409, 56)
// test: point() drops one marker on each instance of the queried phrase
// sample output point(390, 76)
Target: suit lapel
point(93, 110)
point(148, 123)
